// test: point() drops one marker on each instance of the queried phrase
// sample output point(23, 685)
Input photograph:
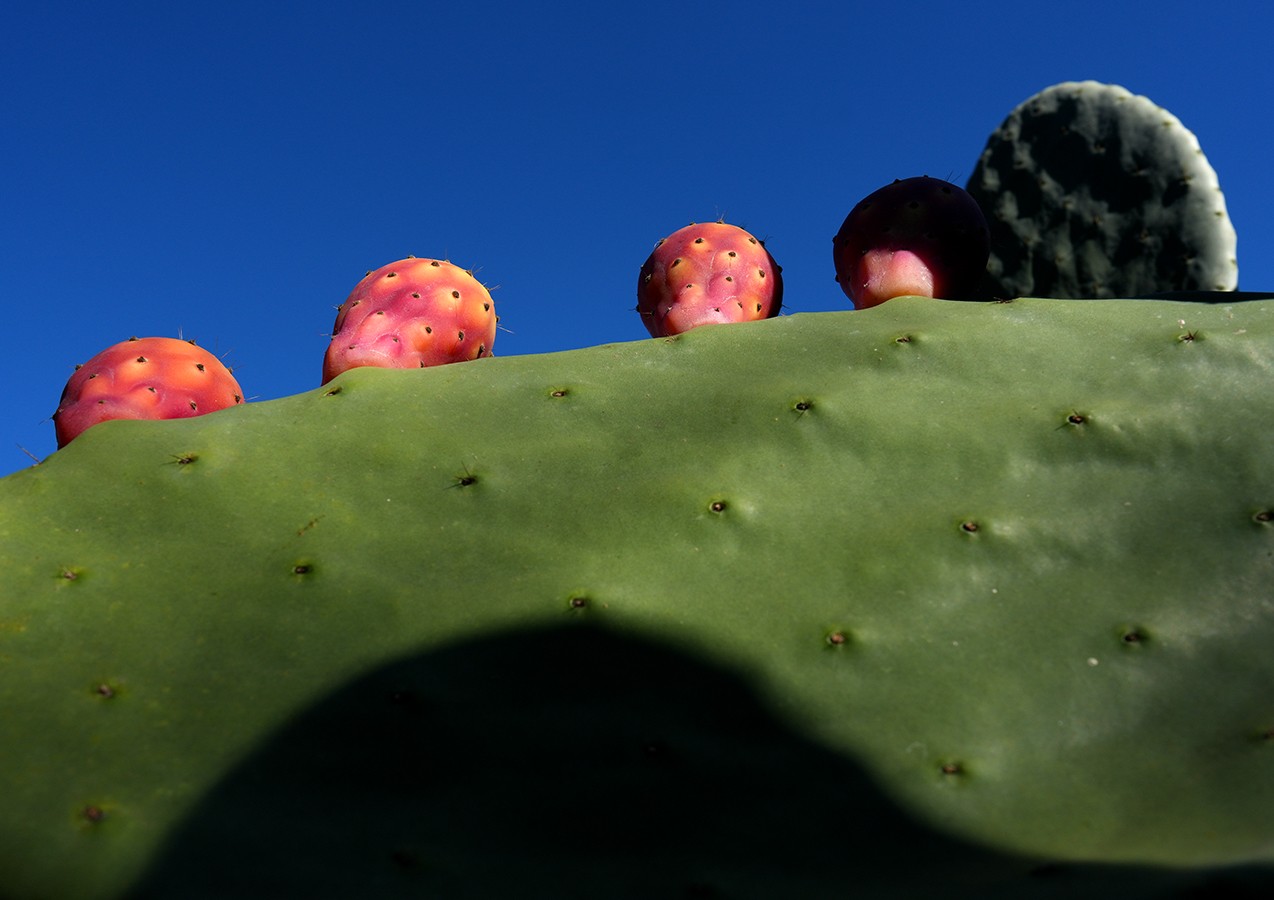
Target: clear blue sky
point(228, 171)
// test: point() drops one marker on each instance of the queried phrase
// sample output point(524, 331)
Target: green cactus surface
point(929, 600)
point(1093, 191)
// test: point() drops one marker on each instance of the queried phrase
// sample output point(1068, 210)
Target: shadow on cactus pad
point(576, 763)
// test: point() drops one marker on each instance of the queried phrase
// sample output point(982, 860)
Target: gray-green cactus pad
point(1093, 191)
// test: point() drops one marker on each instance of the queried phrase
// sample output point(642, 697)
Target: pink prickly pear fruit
point(920, 236)
point(706, 274)
point(144, 378)
point(411, 314)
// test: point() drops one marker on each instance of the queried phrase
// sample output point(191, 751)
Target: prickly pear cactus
point(1092, 191)
point(932, 599)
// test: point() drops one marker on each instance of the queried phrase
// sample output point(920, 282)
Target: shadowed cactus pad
point(931, 599)
point(1092, 191)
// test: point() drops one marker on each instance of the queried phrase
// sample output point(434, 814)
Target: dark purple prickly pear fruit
point(920, 235)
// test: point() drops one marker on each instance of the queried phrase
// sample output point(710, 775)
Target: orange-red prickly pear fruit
point(144, 378)
point(705, 274)
point(411, 314)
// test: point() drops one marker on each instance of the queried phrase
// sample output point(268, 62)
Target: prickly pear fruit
point(411, 314)
point(922, 236)
point(707, 273)
point(144, 378)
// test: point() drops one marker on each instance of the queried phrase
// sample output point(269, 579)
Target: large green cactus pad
point(933, 599)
